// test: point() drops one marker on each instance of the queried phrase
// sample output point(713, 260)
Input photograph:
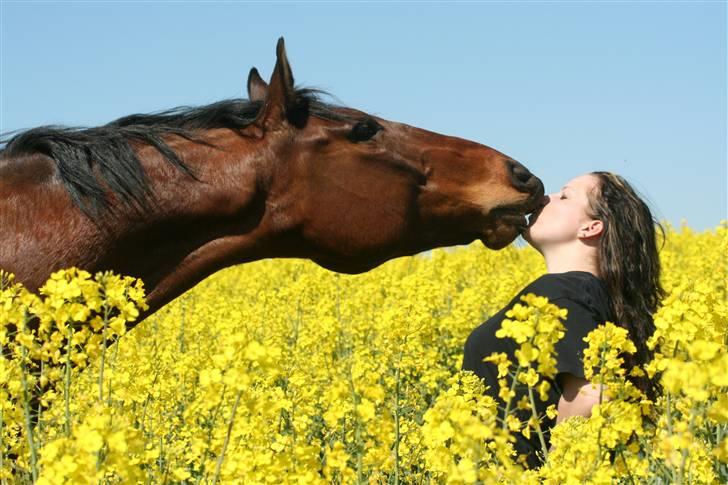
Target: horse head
point(358, 189)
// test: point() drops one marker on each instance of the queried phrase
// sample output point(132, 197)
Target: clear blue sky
point(565, 88)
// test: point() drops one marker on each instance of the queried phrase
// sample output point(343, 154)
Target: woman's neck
point(577, 257)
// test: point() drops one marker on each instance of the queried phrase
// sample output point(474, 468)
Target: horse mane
point(85, 155)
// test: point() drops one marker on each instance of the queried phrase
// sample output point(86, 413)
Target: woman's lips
point(534, 215)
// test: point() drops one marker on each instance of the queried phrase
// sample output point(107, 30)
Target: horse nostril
point(519, 174)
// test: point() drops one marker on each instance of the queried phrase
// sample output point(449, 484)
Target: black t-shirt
point(586, 298)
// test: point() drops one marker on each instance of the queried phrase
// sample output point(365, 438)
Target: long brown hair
point(630, 266)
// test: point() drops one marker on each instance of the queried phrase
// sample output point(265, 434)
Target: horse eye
point(364, 130)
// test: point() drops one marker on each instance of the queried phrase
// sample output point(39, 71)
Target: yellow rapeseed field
point(282, 372)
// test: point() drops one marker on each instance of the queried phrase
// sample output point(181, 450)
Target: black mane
point(77, 151)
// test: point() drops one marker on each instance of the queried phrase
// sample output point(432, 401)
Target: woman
point(598, 239)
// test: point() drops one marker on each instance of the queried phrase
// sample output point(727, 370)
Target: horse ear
point(281, 103)
point(257, 88)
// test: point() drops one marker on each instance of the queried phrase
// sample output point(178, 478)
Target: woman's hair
point(630, 266)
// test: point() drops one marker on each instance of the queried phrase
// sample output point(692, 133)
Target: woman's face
point(564, 215)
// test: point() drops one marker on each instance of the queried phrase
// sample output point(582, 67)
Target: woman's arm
point(578, 397)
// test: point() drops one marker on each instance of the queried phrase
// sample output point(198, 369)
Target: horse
point(175, 196)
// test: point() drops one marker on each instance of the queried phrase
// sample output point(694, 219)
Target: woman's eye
point(364, 130)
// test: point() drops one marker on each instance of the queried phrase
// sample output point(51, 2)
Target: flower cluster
point(535, 327)
point(280, 371)
point(463, 443)
point(43, 339)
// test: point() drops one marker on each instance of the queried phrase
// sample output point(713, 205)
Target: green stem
point(396, 419)
point(646, 445)
point(2, 414)
point(67, 383)
point(2, 437)
point(39, 424)
point(181, 336)
point(111, 384)
point(595, 465)
point(103, 354)
point(538, 424)
point(669, 428)
point(684, 452)
point(357, 426)
point(28, 423)
point(508, 404)
point(213, 421)
point(218, 468)
point(626, 467)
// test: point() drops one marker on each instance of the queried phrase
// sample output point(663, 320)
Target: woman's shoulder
point(579, 287)
point(567, 282)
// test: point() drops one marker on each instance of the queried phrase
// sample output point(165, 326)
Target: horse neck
point(195, 227)
point(199, 226)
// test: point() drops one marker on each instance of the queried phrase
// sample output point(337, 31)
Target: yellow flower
point(551, 411)
point(718, 411)
point(721, 451)
point(606, 343)
point(513, 423)
point(543, 390)
point(181, 473)
point(529, 377)
point(501, 360)
point(366, 410)
point(704, 350)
